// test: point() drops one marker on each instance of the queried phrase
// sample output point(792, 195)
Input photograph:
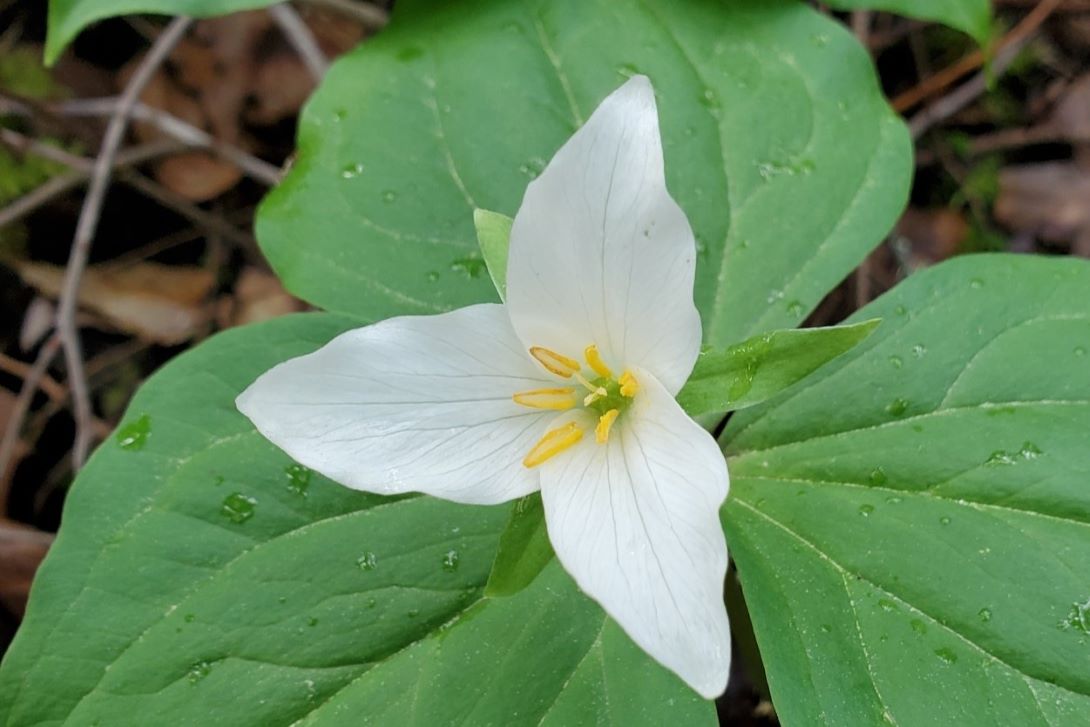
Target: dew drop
point(708, 99)
point(1079, 617)
point(188, 618)
point(533, 167)
point(1030, 451)
point(820, 39)
point(134, 435)
point(976, 283)
point(389, 196)
point(372, 602)
point(985, 614)
point(795, 308)
point(450, 561)
point(628, 70)
point(1080, 351)
point(351, 171)
point(312, 621)
point(918, 626)
point(897, 407)
point(946, 655)
point(919, 350)
point(472, 266)
point(340, 114)
point(298, 478)
point(900, 310)
point(896, 362)
point(944, 520)
point(199, 671)
point(887, 605)
point(432, 276)
point(826, 629)
point(878, 476)
point(999, 458)
point(865, 510)
point(238, 508)
point(413, 613)
point(367, 561)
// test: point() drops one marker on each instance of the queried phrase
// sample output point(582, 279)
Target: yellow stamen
point(560, 399)
point(595, 362)
point(629, 385)
point(557, 363)
point(553, 443)
point(601, 432)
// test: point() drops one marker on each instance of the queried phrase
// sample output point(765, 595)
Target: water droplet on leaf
point(298, 478)
point(199, 671)
point(367, 561)
point(389, 196)
point(878, 476)
point(897, 407)
point(985, 614)
point(238, 508)
point(865, 510)
point(896, 362)
point(351, 171)
point(918, 626)
point(471, 266)
point(134, 435)
point(947, 655)
point(450, 561)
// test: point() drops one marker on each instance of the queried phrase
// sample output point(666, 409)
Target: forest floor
point(1002, 164)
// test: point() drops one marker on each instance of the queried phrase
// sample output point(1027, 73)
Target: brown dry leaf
point(935, 234)
point(197, 176)
point(281, 86)
point(21, 551)
point(1049, 200)
point(1070, 119)
point(258, 296)
point(160, 303)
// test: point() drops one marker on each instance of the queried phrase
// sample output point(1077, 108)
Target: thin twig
point(58, 185)
point(46, 383)
point(300, 37)
point(1018, 35)
point(181, 131)
point(861, 26)
point(967, 92)
point(85, 232)
point(369, 15)
point(21, 406)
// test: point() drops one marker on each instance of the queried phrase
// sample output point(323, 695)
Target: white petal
point(419, 403)
point(600, 253)
point(636, 523)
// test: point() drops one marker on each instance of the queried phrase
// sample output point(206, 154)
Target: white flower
point(567, 388)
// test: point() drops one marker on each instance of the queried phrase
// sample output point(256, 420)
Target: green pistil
point(613, 398)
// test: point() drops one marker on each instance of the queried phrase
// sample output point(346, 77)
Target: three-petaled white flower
point(567, 388)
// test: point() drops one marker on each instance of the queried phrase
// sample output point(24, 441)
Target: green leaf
point(970, 16)
point(67, 18)
point(200, 572)
point(765, 107)
point(912, 527)
point(524, 550)
point(757, 369)
point(494, 237)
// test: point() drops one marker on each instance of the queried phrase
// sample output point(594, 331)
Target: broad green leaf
point(201, 575)
point(757, 369)
point(494, 238)
point(68, 17)
point(524, 549)
point(912, 524)
point(970, 16)
point(766, 107)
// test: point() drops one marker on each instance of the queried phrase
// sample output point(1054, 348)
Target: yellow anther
point(595, 362)
point(553, 443)
point(557, 363)
point(629, 385)
point(601, 432)
point(560, 399)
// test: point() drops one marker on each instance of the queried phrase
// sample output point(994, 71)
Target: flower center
point(605, 394)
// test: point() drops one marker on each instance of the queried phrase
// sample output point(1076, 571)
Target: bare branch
point(85, 231)
point(300, 37)
point(369, 15)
